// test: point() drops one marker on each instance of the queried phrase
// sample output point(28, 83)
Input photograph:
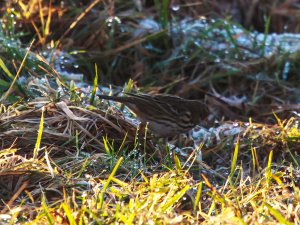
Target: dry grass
point(74, 164)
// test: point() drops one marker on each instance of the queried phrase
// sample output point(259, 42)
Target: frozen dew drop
point(110, 21)
point(175, 7)
point(217, 60)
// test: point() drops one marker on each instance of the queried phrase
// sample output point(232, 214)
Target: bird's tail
point(114, 98)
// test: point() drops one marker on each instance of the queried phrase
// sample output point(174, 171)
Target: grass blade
point(39, 137)
point(112, 174)
point(280, 218)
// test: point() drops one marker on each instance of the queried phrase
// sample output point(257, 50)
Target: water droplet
point(286, 70)
point(110, 21)
point(217, 60)
point(175, 7)
point(235, 124)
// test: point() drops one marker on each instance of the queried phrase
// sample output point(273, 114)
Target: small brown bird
point(167, 115)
